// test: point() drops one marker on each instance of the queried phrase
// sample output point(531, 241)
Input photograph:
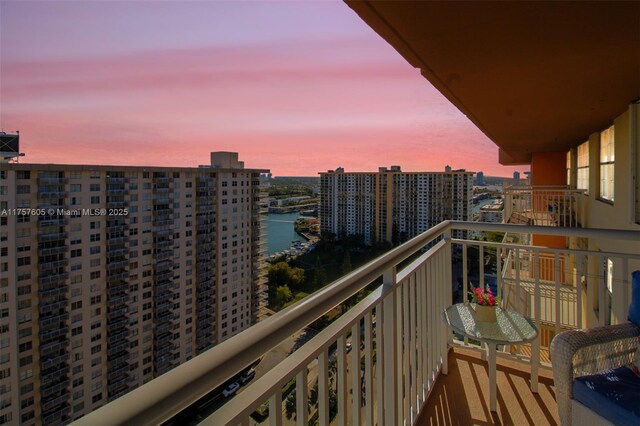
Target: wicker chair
point(582, 352)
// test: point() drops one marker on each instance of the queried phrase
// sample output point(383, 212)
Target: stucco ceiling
point(533, 76)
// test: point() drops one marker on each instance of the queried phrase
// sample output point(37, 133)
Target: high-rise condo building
point(113, 275)
point(391, 205)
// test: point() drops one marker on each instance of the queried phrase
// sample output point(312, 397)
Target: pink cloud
point(297, 109)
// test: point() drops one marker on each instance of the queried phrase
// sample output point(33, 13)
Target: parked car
point(349, 347)
point(231, 389)
point(247, 376)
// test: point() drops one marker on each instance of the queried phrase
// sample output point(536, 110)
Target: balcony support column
point(390, 361)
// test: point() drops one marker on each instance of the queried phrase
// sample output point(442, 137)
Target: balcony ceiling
point(533, 76)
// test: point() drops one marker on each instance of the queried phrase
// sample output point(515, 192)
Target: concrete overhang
point(533, 76)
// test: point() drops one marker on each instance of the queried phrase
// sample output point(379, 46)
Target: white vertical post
point(431, 323)
point(341, 391)
point(601, 276)
point(465, 281)
point(404, 362)
point(517, 264)
point(275, 408)
point(420, 359)
point(465, 278)
point(446, 300)
point(390, 361)
point(557, 301)
point(500, 284)
point(356, 389)
point(579, 272)
point(368, 371)
point(492, 376)
point(302, 409)
point(379, 399)
point(535, 345)
point(425, 330)
point(413, 362)
point(323, 388)
point(481, 265)
point(399, 346)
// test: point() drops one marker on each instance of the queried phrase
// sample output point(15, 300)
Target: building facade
point(391, 205)
point(113, 275)
point(491, 212)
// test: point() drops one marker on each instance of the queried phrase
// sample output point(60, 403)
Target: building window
point(607, 164)
point(583, 167)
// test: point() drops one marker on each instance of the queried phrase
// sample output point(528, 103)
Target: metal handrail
point(169, 394)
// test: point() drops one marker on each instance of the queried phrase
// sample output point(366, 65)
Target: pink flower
point(484, 297)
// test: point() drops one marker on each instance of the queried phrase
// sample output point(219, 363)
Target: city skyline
point(296, 87)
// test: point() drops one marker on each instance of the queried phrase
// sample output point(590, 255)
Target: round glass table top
point(510, 326)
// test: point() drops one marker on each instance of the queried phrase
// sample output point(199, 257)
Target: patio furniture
point(590, 370)
point(510, 328)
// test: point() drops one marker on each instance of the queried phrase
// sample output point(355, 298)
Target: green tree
point(283, 295)
point(283, 274)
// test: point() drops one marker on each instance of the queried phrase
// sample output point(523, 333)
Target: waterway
point(280, 232)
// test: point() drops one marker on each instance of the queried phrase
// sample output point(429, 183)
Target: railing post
point(341, 389)
point(390, 361)
point(465, 281)
point(356, 376)
point(323, 388)
point(535, 345)
point(275, 409)
point(558, 307)
point(302, 410)
point(447, 299)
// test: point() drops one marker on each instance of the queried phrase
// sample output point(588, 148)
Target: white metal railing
point(544, 206)
point(399, 343)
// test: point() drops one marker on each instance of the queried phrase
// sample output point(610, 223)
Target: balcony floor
point(462, 397)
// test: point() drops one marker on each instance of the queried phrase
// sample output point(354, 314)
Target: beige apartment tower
point(391, 205)
point(112, 275)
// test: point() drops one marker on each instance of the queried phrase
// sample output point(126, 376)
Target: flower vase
point(485, 313)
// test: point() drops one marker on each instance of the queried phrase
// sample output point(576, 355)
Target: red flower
point(484, 297)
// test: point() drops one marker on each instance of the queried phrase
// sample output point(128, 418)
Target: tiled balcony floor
point(462, 397)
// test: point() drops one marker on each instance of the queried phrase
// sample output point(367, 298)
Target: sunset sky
point(296, 87)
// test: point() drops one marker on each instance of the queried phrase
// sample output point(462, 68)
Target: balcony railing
point(543, 206)
point(380, 359)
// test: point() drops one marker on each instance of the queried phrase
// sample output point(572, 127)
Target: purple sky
point(295, 87)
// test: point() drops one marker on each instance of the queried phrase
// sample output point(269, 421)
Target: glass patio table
point(510, 328)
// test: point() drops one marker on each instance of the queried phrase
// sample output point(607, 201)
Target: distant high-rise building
point(113, 275)
point(516, 175)
point(391, 205)
point(491, 212)
point(480, 179)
